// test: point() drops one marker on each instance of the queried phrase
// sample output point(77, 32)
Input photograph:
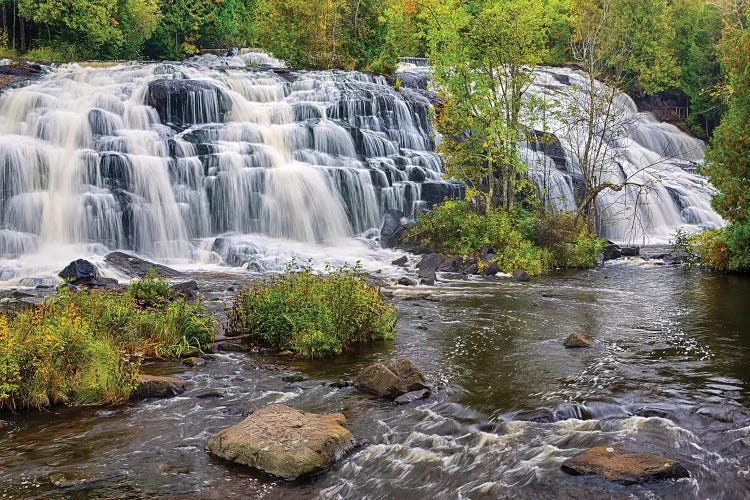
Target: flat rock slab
point(154, 386)
point(391, 379)
point(284, 442)
point(613, 464)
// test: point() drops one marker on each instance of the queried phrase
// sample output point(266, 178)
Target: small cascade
point(161, 159)
point(657, 158)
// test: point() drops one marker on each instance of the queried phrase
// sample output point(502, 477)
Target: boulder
point(577, 340)
point(491, 269)
point(78, 271)
point(187, 290)
point(407, 282)
point(401, 261)
point(284, 442)
point(154, 386)
point(296, 377)
point(209, 393)
point(521, 275)
point(542, 416)
point(393, 230)
point(611, 251)
point(430, 264)
point(613, 464)
point(412, 396)
point(437, 192)
point(452, 265)
point(471, 269)
point(631, 251)
point(181, 103)
point(194, 361)
point(135, 267)
point(391, 379)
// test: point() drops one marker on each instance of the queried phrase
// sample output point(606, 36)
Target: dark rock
point(491, 269)
point(612, 251)
point(406, 281)
point(78, 271)
point(209, 393)
point(631, 251)
point(401, 261)
point(652, 411)
point(427, 281)
point(234, 346)
point(471, 269)
point(187, 290)
point(152, 386)
point(542, 416)
point(376, 283)
point(193, 361)
point(452, 265)
point(284, 442)
point(437, 192)
point(182, 103)
point(136, 267)
point(412, 396)
point(521, 275)
point(577, 340)
point(392, 230)
point(453, 276)
point(293, 378)
point(613, 464)
point(340, 384)
point(429, 264)
point(391, 378)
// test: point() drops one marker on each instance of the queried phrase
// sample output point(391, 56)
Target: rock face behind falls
point(284, 442)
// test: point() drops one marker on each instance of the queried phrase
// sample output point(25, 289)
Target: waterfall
point(205, 160)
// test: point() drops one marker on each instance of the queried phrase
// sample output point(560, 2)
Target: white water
point(302, 163)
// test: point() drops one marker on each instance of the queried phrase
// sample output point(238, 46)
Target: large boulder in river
point(155, 386)
point(182, 103)
point(391, 379)
point(284, 442)
point(614, 464)
point(393, 230)
point(79, 270)
point(135, 267)
point(577, 340)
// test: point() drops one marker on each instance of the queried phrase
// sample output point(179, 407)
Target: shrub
point(84, 348)
point(571, 245)
point(313, 315)
point(712, 249)
point(150, 291)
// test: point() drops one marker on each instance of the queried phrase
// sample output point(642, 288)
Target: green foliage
point(85, 348)
point(571, 244)
point(150, 291)
point(313, 315)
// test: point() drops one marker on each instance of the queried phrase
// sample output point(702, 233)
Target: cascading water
point(655, 155)
point(213, 160)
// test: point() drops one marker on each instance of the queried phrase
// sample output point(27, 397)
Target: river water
point(670, 374)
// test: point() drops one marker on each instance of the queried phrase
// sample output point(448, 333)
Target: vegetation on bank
point(313, 315)
point(81, 348)
point(518, 239)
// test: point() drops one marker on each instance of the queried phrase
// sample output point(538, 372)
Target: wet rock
point(428, 281)
point(401, 261)
point(153, 386)
point(453, 276)
point(234, 346)
point(631, 251)
point(437, 192)
point(577, 340)
point(611, 251)
point(542, 416)
point(652, 411)
point(105, 413)
point(284, 442)
point(391, 379)
point(182, 103)
point(78, 271)
point(73, 479)
point(491, 269)
point(135, 267)
point(393, 230)
point(209, 393)
point(187, 290)
point(340, 384)
point(412, 396)
point(429, 264)
point(452, 265)
point(293, 378)
point(521, 276)
point(194, 361)
point(471, 269)
point(613, 464)
point(376, 283)
point(406, 281)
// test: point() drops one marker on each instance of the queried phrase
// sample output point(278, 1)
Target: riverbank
point(668, 375)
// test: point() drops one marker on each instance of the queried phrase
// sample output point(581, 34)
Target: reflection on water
point(670, 374)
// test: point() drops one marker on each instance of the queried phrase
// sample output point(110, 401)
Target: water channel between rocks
point(670, 374)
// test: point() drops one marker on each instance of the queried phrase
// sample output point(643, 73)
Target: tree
point(483, 55)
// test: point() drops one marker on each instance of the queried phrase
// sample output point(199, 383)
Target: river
point(670, 374)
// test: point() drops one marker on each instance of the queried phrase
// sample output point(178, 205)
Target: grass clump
point(86, 347)
point(313, 315)
point(535, 243)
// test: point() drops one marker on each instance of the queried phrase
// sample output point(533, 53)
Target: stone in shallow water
point(613, 464)
point(153, 386)
point(284, 442)
point(577, 340)
point(391, 379)
point(412, 396)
